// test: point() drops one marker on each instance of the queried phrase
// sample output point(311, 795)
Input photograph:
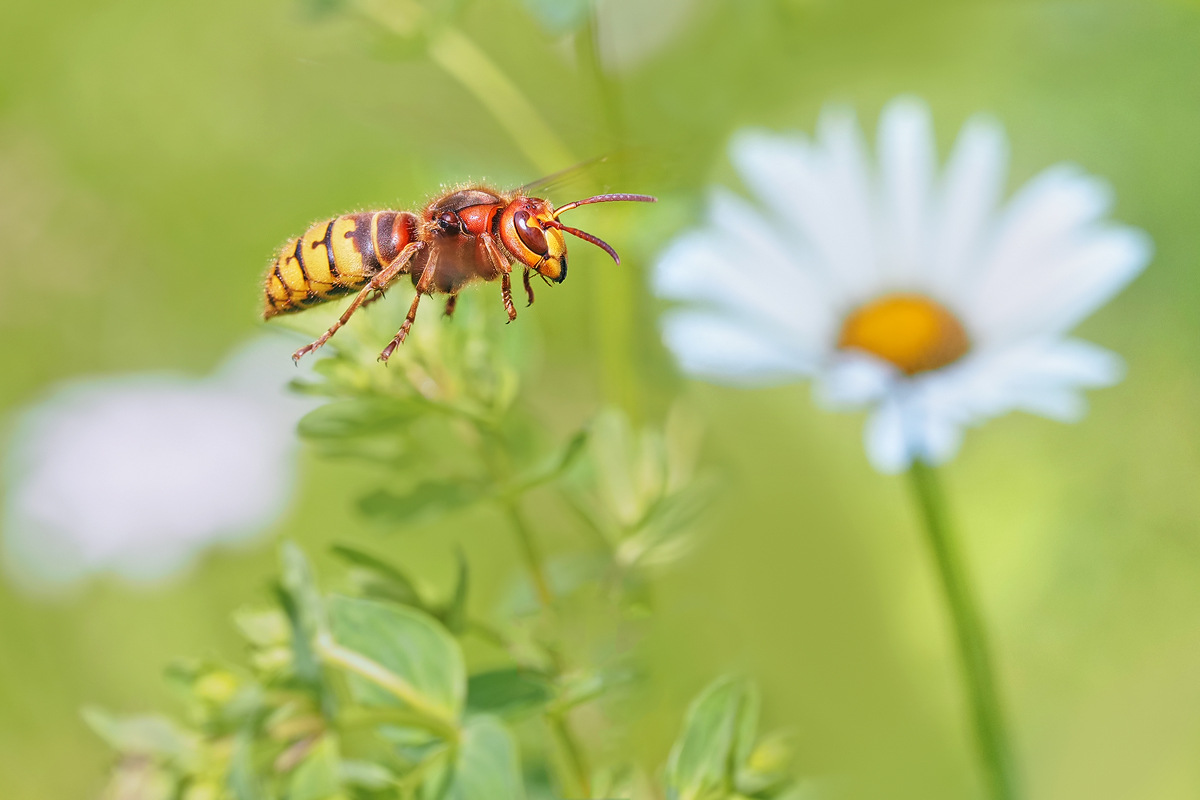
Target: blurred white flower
point(136, 475)
point(899, 289)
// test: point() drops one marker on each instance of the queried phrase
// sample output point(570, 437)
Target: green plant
point(367, 692)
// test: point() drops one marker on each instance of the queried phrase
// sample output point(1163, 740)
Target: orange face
point(529, 231)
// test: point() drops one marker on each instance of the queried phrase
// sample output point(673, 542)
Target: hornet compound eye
point(531, 235)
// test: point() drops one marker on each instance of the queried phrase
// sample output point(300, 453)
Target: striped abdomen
point(335, 257)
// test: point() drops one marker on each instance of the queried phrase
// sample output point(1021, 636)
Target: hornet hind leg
point(377, 283)
point(423, 286)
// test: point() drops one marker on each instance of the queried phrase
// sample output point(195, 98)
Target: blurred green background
point(153, 154)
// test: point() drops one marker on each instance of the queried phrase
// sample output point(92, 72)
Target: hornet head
point(530, 230)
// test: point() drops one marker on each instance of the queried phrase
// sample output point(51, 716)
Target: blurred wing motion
point(629, 166)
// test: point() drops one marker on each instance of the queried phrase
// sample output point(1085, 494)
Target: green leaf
point(386, 581)
point(141, 780)
point(717, 739)
point(319, 775)
point(408, 643)
point(366, 775)
point(487, 766)
point(149, 735)
point(426, 502)
point(614, 452)
point(455, 614)
point(767, 770)
point(265, 627)
point(243, 782)
point(666, 533)
point(361, 416)
point(508, 692)
point(558, 466)
point(301, 585)
point(301, 602)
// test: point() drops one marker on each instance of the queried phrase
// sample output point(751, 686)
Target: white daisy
point(899, 289)
point(136, 475)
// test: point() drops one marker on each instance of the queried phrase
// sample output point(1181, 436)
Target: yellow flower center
point(909, 330)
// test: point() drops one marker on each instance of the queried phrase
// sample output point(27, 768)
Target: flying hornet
point(465, 235)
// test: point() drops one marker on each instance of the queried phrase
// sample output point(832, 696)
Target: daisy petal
point(934, 437)
point(737, 266)
point(884, 438)
point(906, 162)
point(1076, 362)
point(849, 174)
point(1049, 216)
point(726, 351)
point(821, 201)
point(1081, 276)
point(1058, 404)
point(969, 194)
point(1041, 377)
point(854, 380)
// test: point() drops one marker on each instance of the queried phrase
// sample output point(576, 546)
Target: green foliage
point(487, 764)
point(405, 721)
point(417, 652)
point(509, 692)
point(718, 754)
point(366, 692)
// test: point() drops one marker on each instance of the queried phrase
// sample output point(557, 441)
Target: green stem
point(458, 55)
point(972, 642)
point(530, 552)
point(615, 286)
point(576, 764)
point(455, 53)
point(575, 770)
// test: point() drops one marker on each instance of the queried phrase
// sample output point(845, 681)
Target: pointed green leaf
point(301, 584)
point(243, 781)
point(148, 735)
point(508, 692)
point(487, 767)
point(141, 780)
point(386, 581)
point(301, 602)
point(455, 614)
point(718, 735)
point(767, 769)
point(557, 466)
point(408, 643)
point(362, 416)
point(319, 775)
point(366, 775)
point(427, 501)
point(265, 627)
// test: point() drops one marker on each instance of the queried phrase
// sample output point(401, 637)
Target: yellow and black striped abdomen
point(335, 257)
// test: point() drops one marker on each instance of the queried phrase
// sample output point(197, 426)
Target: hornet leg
point(528, 288)
point(451, 302)
point(423, 285)
point(377, 283)
point(506, 294)
point(500, 262)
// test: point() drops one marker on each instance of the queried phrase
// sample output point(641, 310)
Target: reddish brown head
point(530, 230)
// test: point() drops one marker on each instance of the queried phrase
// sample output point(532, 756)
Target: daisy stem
point(968, 627)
